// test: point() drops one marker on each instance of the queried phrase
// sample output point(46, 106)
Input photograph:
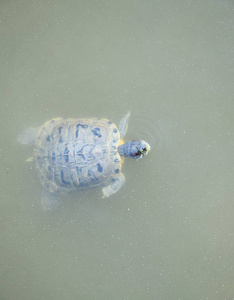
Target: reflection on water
point(168, 232)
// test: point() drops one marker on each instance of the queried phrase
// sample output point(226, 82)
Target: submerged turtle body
point(73, 154)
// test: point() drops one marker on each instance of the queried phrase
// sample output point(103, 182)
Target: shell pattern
point(75, 154)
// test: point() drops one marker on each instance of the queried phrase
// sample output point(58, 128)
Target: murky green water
point(168, 233)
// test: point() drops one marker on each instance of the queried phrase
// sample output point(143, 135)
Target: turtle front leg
point(114, 187)
point(123, 125)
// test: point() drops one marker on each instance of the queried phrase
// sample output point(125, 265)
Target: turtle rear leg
point(28, 136)
point(49, 200)
point(123, 125)
point(114, 187)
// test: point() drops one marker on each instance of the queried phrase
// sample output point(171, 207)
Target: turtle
point(72, 154)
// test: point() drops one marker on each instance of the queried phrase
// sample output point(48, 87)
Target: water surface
point(168, 233)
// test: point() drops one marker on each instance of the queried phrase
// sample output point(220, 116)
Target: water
point(168, 233)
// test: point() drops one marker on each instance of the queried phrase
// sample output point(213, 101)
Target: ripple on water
point(153, 130)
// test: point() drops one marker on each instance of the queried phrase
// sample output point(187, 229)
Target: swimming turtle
point(72, 154)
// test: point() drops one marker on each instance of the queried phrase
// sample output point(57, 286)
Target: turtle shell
point(73, 154)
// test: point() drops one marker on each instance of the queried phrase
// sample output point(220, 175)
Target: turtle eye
point(140, 152)
point(137, 154)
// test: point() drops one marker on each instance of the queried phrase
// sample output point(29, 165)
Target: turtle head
point(135, 149)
